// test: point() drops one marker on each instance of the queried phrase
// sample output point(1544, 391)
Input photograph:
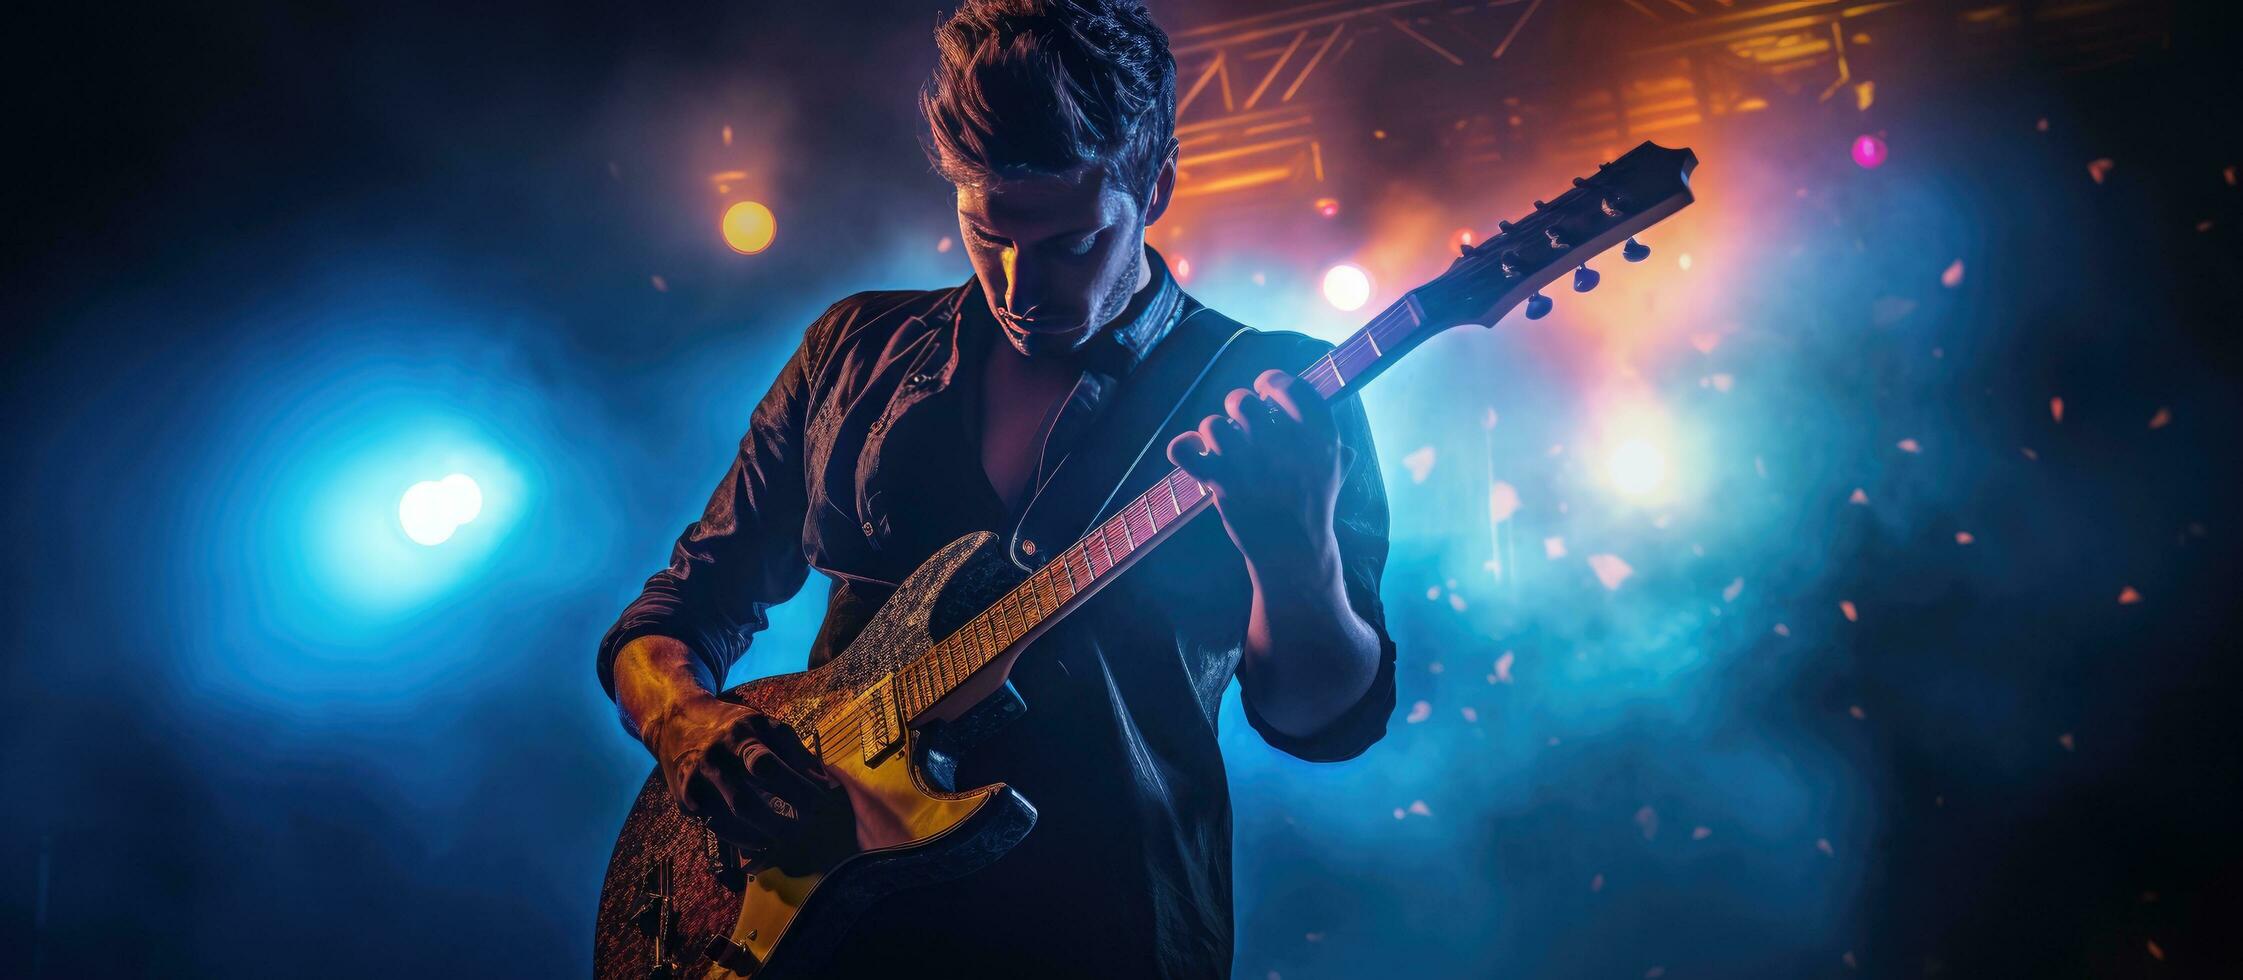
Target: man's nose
point(1023, 285)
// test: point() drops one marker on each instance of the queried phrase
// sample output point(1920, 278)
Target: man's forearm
point(1311, 657)
point(655, 677)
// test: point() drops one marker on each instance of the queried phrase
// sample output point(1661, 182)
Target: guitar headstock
point(1602, 210)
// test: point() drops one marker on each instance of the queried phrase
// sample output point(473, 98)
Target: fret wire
point(1131, 525)
point(1099, 537)
point(1107, 532)
point(1045, 601)
point(1007, 615)
point(1162, 517)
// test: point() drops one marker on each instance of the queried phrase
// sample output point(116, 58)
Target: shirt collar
point(1116, 350)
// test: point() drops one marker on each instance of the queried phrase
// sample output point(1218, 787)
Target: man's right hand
point(744, 773)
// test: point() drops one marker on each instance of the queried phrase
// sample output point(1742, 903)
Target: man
point(907, 419)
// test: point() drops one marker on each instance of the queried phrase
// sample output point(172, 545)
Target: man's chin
point(1041, 339)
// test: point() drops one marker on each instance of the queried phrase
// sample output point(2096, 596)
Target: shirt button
point(868, 529)
point(878, 426)
point(921, 379)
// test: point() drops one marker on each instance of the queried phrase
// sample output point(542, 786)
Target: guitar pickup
point(883, 726)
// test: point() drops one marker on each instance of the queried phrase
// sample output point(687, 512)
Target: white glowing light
point(1347, 287)
point(1637, 468)
point(432, 510)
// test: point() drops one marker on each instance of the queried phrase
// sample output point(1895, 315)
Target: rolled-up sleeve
point(1359, 522)
point(745, 552)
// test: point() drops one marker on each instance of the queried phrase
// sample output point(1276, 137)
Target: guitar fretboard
point(1068, 578)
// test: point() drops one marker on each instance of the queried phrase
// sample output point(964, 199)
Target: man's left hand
point(1273, 462)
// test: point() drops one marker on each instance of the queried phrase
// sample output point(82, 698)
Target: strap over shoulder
point(1181, 381)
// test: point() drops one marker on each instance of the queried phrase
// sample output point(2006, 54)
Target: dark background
point(267, 264)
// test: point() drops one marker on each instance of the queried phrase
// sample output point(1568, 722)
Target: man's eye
point(1083, 247)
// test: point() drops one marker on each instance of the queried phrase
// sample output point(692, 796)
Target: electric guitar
point(887, 715)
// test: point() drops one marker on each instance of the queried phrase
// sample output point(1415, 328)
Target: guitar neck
point(1068, 579)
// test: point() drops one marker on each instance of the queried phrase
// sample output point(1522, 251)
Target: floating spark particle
point(2056, 409)
point(1434, 667)
point(1705, 342)
point(2163, 418)
point(1782, 630)
point(728, 136)
point(1647, 819)
point(1596, 884)
point(1864, 94)
point(1910, 446)
point(2042, 124)
point(1964, 537)
point(1823, 844)
point(1859, 715)
point(2127, 596)
point(1888, 310)
point(1700, 833)
point(1470, 715)
point(2065, 740)
point(2029, 453)
point(944, 244)
point(1419, 712)
point(1735, 588)
point(1456, 602)
point(1683, 260)
point(661, 285)
point(1718, 382)
point(1953, 276)
point(1654, 973)
point(1502, 673)
point(1610, 570)
point(1433, 594)
point(1503, 501)
point(1419, 463)
point(1487, 421)
point(2156, 952)
point(1868, 152)
point(1847, 606)
point(1398, 814)
point(2100, 168)
point(1418, 807)
point(1859, 498)
point(1848, 959)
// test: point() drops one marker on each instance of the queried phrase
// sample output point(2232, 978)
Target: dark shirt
point(861, 461)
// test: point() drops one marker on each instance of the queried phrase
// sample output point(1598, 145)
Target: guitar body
point(678, 902)
point(927, 676)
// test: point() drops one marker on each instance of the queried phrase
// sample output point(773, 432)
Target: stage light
point(1347, 287)
point(1637, 468)
point(1328, 207)
point(432, 510)
point(749, 227)
point(1869, 151)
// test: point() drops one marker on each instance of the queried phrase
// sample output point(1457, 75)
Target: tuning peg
point(1538, 306)
point(1635, 251)
point(1585, 279)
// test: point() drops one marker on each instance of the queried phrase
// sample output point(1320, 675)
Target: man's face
point(1057, 257)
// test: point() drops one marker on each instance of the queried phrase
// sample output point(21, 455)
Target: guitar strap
point(1127, 446)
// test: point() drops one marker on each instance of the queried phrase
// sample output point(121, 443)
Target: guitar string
point(854, 718)
point(850, 722)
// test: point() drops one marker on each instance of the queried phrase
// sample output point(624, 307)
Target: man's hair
point(1044, 87)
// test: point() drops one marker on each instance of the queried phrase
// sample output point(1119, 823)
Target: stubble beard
point(1033, 344)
